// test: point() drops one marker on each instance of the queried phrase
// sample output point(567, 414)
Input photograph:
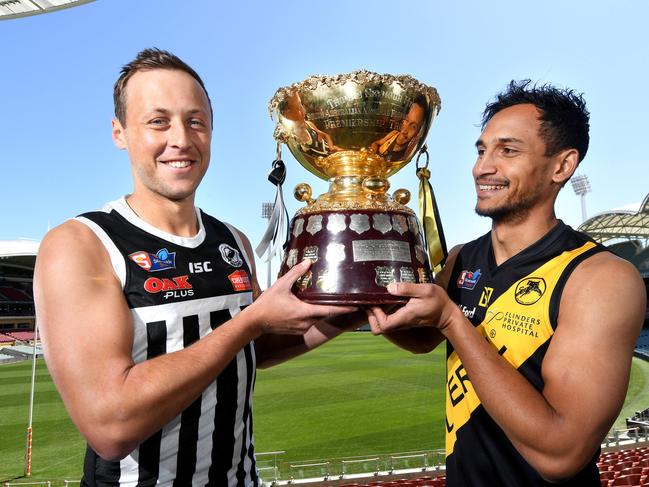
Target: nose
point(179, 136)
point(484, 165)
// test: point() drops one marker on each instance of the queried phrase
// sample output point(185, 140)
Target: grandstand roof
point(10, 9)
point(622, 223)
point(16, 248)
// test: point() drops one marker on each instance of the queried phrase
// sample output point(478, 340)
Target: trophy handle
point(303, 192)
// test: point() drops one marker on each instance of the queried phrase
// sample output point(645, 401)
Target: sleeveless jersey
point(178, 290)
point(515, 307)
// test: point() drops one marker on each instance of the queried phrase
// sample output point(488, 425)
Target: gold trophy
point(355, 130)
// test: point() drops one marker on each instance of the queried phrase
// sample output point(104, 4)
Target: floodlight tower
point(581, 185)
point(266, 212)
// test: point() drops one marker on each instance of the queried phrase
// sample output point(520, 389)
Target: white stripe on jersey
point(239, 425)
point(116, 257)
point(237, 238)
point(175, 312)
point(121, 206)
point(205, 431)
point(247, 462)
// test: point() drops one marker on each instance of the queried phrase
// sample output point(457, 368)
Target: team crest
point(230, 255)
point(468, 279)
point(529, 290)
point(161, 260)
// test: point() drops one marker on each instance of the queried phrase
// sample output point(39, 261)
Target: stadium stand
point(624, 467)
point(6, 339)
point(23, 336)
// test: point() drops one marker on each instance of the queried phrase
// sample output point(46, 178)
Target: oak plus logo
point(529, 290)
point(176, 287)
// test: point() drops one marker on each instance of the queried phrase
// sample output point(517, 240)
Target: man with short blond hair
point(146, 307)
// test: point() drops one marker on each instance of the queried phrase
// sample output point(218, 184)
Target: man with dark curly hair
point(540, 321)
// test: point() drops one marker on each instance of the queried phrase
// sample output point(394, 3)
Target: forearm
point(539, 432)
point(416, 340)
point(137, 400)
point(275, 349)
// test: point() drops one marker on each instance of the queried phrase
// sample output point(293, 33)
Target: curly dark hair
point(148, 59)
point(564, 117)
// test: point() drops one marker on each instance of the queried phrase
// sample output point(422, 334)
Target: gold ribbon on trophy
point(429, 214)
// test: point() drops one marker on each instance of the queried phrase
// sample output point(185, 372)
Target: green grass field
point(358, 395)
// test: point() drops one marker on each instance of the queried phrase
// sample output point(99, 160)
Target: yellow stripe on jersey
point(516, 324)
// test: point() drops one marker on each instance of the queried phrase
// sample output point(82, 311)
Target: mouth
point(178, 164)
point(492, 187)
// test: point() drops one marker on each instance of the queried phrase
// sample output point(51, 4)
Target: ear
point(119, 134)
point(566, 164)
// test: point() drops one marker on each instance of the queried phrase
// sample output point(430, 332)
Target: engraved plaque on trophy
point(355, 130)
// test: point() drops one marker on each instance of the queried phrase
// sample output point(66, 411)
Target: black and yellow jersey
point(515, 306)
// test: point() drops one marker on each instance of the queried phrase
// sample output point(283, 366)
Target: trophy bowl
point(355, 130)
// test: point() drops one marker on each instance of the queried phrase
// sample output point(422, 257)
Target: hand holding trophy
point(355, 130)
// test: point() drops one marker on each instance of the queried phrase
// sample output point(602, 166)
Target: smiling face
point(512, 174)
point(411, 124)
point(167, 133)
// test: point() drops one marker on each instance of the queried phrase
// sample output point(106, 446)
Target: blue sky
point(58, 160)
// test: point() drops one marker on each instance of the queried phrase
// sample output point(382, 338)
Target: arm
point(272, 348)
point(557, 430)
point(417, 339)
point(374, 146)
point(324, 136)
point(87, 335)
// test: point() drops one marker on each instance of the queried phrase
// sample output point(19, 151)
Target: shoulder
point(608, 289)
point(244, 239)
point(444, 275)
point(606, 271)
point(69, 246)
point(71, 237)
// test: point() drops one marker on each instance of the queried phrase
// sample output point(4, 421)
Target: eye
point(158, 122)
point(195, 122)
point(508, 151)
point(480, 152)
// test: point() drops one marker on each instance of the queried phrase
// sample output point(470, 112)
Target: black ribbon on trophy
point(276, 234)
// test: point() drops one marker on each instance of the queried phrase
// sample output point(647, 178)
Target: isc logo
point(198, 267)
point(177, 287)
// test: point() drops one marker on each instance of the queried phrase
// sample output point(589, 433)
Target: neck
point(174, 217)
point(510, 238)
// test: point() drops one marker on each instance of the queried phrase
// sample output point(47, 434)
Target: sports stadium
point(357, 411)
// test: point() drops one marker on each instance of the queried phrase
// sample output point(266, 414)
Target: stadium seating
point(4, 339)
point(624, 467)
point(23, 336)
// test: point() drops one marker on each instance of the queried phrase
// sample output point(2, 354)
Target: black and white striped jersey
point(178, 290)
